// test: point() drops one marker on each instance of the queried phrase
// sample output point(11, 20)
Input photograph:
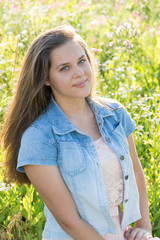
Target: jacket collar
point(61, 123)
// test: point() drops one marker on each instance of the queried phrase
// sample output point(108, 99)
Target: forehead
point(67, 52)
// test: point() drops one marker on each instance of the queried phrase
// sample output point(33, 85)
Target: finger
point(140, 236)
point(146, 236)
point(127, 233)
point(131, 235)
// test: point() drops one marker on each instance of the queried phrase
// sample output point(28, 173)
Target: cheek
point(51, 76)
point(88, 69)
point(59, 82)
point(53, 79)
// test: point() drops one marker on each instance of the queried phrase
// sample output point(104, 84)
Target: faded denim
point(54, 140)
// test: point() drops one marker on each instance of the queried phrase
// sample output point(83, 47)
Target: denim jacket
point(53, 139)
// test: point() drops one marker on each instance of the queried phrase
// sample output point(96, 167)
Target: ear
point(47, 83)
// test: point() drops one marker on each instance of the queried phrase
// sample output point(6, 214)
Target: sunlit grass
point(124, 36)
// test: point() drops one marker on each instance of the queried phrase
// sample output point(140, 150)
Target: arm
point(143, 225)
point(51, 187)
point(140, 179)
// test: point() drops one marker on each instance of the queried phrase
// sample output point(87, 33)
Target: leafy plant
point(124, 36)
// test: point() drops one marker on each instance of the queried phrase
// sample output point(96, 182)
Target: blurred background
point(124, 37)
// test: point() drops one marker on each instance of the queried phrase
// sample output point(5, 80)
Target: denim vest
point(53, 139)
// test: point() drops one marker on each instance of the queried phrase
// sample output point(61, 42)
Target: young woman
point(75, 148)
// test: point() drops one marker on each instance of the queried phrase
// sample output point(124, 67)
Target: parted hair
point(32, 96)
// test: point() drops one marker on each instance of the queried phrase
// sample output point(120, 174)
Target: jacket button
point(122, 157)
point(126, 200)
point(108, 139)
point(126, 177)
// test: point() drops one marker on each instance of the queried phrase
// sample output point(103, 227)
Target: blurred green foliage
point(124, 36)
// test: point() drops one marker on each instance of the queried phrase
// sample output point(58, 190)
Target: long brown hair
point(32, 95)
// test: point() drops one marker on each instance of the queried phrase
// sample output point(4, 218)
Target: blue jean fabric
point(53, 139)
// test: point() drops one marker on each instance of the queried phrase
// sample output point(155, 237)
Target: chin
point(85, 95)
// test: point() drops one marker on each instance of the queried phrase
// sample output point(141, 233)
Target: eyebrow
point(63, 64)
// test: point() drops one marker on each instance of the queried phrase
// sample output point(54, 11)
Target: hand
point(138, 234)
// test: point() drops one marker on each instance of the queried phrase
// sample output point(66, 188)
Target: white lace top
point(112, 171)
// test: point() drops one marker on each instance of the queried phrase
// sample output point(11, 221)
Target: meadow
point(124, 36)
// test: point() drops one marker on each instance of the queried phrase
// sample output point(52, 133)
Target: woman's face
point(70, 74)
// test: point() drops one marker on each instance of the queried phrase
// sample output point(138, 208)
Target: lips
point(80, 84)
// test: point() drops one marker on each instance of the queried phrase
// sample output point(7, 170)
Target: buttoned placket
point(126, 198)
point(121, 157)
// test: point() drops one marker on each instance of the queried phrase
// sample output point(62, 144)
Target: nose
point(78, 72)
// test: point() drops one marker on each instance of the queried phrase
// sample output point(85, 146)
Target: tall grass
point(124, 36)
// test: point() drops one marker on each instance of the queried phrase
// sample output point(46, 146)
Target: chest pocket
point(71, 158)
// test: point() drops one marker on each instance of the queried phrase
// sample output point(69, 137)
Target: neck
point(74, 107)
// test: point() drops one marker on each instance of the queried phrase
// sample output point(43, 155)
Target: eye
point(82, 61)
point(64, 68)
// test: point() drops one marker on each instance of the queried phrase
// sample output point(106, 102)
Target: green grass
point(124, 36)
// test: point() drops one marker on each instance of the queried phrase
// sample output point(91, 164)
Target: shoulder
point(120, 114)
point(113, 104)
point(40, 128)
point(116, 107)
point(38, 145)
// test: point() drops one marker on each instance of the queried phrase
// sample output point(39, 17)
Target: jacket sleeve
point(36, 148)
point(128, 123)
point(122, 115)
